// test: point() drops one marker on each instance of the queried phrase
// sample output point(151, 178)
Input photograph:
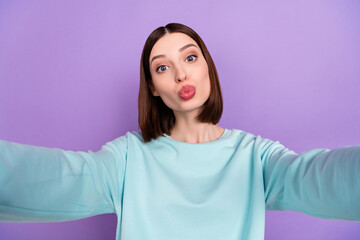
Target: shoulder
point(128, 136)
point(241, 135)
point(245, 138)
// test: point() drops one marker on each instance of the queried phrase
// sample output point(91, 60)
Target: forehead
point(170, 43)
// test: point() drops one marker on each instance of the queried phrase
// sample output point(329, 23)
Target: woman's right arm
point(39, 184)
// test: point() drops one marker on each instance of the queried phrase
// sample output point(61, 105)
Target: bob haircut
point(155, 118)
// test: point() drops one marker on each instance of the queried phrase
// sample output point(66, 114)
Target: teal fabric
point(167, 189)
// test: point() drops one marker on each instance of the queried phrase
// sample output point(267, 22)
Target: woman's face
point(177, 61)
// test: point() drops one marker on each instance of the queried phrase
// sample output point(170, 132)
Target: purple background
point(289, 71)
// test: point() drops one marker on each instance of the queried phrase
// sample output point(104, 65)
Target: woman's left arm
point(321, 182)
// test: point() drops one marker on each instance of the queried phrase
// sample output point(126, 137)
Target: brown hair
point(155, 118)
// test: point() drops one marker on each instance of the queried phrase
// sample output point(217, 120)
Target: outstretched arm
point(320, 182)
point(39, 184)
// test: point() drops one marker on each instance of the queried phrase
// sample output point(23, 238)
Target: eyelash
point(193, 55)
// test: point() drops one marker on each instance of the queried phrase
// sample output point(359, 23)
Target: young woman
point(181, 176)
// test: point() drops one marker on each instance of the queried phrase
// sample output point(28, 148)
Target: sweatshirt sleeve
point(39, 184)
point(321, 182)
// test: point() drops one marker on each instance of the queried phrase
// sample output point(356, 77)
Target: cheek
point(204, 69)
point(205, 75)
point(159, 84)
point(164, 87)
point(206, 78)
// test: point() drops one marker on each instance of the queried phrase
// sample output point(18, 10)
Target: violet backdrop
point(289, 71)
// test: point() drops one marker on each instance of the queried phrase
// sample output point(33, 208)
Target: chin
point(187, 106)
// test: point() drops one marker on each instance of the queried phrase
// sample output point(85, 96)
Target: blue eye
point(161, 68)
point(191, 58)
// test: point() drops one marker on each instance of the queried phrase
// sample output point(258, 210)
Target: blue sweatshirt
point(168, 189)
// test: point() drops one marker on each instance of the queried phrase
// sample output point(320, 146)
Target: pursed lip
point(187, 91)
point(186, 88)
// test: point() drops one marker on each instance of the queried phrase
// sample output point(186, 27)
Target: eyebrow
point(180, 50)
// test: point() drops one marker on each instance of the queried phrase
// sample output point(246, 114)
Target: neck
point(188, 129)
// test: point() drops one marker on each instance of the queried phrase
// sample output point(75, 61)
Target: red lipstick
point(187, 92)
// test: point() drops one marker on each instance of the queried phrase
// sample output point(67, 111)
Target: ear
point(153, 91)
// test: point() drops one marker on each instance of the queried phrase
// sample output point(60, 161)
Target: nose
point(181, 74)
